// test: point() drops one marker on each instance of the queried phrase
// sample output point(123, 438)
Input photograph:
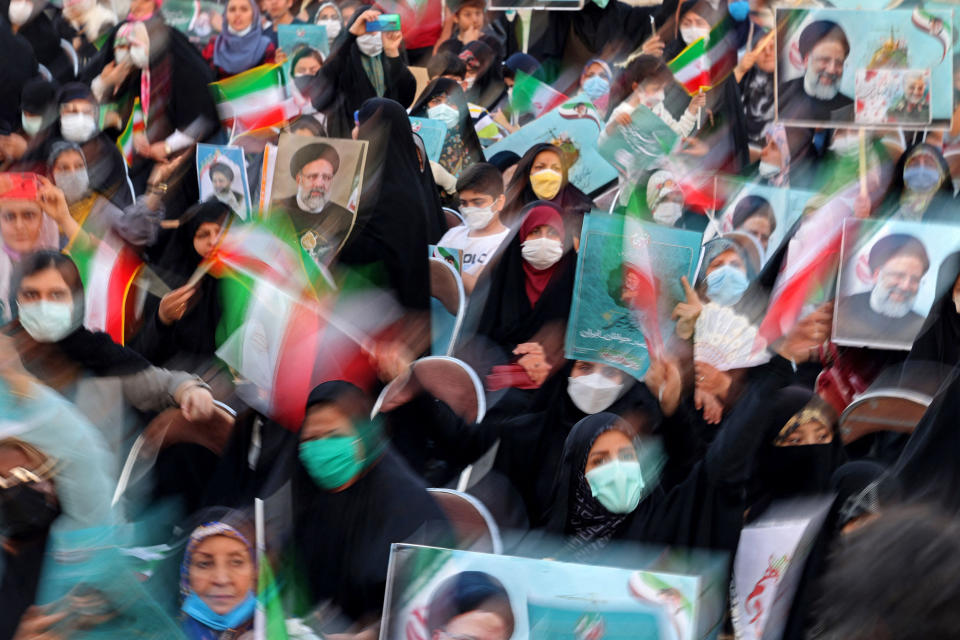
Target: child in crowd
point(480, 190)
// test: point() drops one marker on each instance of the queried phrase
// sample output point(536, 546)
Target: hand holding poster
point(223, 176)
point(636, 147)
point(617, 309)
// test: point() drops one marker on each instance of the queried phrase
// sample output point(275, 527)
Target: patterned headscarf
point(201, 533)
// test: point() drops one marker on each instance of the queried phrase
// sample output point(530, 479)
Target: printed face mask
point(546, 183)
point(593, 393)
point(617, 485)
point(542, 253)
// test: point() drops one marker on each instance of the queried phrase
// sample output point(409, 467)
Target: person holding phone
point(368, 61)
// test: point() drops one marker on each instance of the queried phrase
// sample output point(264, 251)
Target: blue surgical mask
point(617, 485)
point(726, 284)
point(197, 609)
point(446, 114)
point(921, 179)
point(596, 87)
point(739, 9)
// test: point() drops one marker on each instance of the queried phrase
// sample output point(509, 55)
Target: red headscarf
point(536, 280)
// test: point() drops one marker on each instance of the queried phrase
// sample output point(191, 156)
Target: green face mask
point(601, 3)
point(617, 485)
point(331, 462)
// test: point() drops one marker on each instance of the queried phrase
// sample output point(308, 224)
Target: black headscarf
point(192, 338)
point(572, 202)
point(488, 87)
point(395, 212)
point(20, 64)
point(939, 338)
point(343, 538)
point(575, 513)
point(785, 471)
point(343, 86)
point(455, 97)
point(507, 318)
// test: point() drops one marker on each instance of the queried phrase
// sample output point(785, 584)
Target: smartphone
point(386, 22)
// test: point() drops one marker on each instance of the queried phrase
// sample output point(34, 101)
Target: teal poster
point(639, 146)
point(601, 327)
point(433, 133)
point(573, 127)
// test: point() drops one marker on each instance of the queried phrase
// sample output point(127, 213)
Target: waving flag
point(108, 270)
point(254, 99)
point(708, 61)
point(135, 126)
point(533, 96)
point(640, 284)
point(935, 27)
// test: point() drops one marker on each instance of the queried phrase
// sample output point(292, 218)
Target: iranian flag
point(283, 330)
point(108, 270)
point(640, 284)
point(254, 99)
point(707, 62)
point(533, 96)
point(811, 262)
point(135, 126)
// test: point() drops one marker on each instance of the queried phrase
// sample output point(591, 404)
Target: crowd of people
point(133, 450)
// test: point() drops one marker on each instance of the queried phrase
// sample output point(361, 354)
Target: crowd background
point(216, 415)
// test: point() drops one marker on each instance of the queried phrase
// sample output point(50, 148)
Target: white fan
point(725, 340)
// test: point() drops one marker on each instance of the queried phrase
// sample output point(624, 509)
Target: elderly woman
point(242, 45)
point(23, 228)
point(218, 582)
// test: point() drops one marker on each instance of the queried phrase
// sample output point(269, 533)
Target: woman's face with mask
point(239, 14)
point(584, 368)
point(221, 573)
point(20, 224)
point(729, 257)
point(544, 231)
point(546, 160)
point(609, 446)
point(205, 238)
point(327, 13)
point(693, 27)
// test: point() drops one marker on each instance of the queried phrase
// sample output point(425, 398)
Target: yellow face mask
point(546, 183)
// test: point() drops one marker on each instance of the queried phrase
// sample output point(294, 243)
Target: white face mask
point(593, 393)
point(767, 169)
point(74, 184)
point(31, 124)
point(241, 32)
point(370, 44)
point(477, 218)
point(446, 114)
point(542, 253)
point(139, 57)
point(692, 34)
point(651, 100)
point(47, 321)
point(77, 127)
point(667, 213)
point(20, 11)
point(332, 26)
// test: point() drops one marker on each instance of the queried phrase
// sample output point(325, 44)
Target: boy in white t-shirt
point(480, 188)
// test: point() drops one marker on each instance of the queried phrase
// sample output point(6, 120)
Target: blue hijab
point(235, 54)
